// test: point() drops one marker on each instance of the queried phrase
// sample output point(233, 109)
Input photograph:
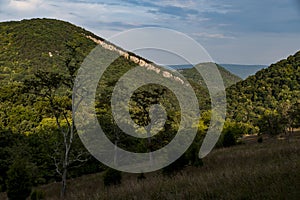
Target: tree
point(270, 122)
point(112, 177)
point(229, 139)
point(19, 181)
point(142, 101)
point(54, 88)
point(7, 140)
point(293, 116)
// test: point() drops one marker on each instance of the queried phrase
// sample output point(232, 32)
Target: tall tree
point(54, 88)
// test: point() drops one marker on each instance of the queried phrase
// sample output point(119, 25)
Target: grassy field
point(270, 170)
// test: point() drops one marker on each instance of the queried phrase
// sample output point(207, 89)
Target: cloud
point(25, 5)
point(179, 12)
point(214, 23)
point(82, 12)
point(119, 14)
point(250, 16)
point(212, 35)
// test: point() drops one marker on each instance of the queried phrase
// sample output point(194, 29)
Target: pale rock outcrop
point(134, 59)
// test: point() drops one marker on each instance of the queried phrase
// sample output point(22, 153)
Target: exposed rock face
point(136, 60)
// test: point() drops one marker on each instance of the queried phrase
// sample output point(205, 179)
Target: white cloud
point(212, 35)
point(81, 13)
point(201, 6)
point(215, 23)
point(24, 5)
point(176, 3)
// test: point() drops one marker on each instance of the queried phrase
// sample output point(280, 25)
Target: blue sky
point(232, 31)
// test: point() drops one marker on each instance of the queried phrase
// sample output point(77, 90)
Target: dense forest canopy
point(268, 99)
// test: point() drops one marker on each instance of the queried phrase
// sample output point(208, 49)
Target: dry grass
point(270, 170)
point(253, 171)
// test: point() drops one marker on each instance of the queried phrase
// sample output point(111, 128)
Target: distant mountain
point(192, 74)
point(243, 71)
point(183, 66)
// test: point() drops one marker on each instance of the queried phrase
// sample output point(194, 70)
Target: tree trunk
point(117, 138)
point(116, 153)
point(65, 169)
point(149, 145)
point(291, 131)
point(64, 182)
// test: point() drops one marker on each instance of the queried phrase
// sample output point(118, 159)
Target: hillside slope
point(47, 45)
point(271, 91)
point(39, 59)
point(228, 78)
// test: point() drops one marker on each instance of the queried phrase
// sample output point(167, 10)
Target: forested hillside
point(270, 98)
point(228, 78)
point(36, 52)
point(39, 60)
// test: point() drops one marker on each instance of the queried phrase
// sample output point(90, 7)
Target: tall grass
point(256, 171)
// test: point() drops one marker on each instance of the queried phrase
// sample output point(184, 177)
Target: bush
point(192, 154)
point(141, 177)
point(229, 139)
point(260, 139)
point(112, 177)
point(176, 166)
point(18, 183)
point(198, 163)
point(37, 195)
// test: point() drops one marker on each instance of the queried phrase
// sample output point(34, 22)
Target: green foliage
point(37, 195)
point(266, 98)
point(19, 181)
point(176, 166)
point(11, 145)
point(233, 130)
point(229, 139)
point(38, 60)
point(112, 177)
point(228, 78)
point(270, 122)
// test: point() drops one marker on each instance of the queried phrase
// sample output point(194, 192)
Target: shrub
point(192, 154)
point(229, 139)
point(176, 166)
point(37, 195)
point(112, 177)
point(141, 177)
point(18, 183)
point(198, 162)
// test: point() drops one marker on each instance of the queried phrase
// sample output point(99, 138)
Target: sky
point(232, 31)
